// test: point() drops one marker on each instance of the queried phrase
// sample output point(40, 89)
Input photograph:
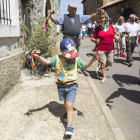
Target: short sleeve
point(95, 34)
point(53, 61)
point(84, 19)
point(59, 20)
point(81, 63)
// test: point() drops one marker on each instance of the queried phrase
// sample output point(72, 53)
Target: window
point(97, 1)
point(5, 17)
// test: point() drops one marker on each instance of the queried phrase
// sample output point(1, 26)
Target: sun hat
point(73, 5)
point(68, 47)
point(102, 18)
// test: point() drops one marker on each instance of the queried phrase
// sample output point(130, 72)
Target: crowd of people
point(128, 33)
point(66, 65)
point(88, 29)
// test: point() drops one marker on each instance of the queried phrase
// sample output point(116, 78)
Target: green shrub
point(39, 38)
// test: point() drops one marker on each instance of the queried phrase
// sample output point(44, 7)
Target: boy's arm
point(88, 64)
point(42, 59)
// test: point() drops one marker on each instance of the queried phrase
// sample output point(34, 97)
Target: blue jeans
point(67, 93)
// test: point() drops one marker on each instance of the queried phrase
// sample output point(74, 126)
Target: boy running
point(66, 66)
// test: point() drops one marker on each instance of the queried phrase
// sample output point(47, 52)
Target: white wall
point(13, 29)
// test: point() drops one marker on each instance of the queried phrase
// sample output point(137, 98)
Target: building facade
point(114, 8)
point(12, 14)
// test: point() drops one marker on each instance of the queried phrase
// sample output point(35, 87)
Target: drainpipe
point(23, 34)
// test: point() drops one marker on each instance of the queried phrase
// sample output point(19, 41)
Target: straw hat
point(102, 17)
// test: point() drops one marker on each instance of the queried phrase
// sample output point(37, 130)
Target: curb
point(113, 124)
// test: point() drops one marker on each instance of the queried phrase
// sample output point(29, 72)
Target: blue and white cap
point(68, 47)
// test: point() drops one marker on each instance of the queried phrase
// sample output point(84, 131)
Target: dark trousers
point(130, 48)
point(89, 31)
point(78, 43)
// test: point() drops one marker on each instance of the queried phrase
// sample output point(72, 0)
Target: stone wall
point(11, 48)
point(91, 5)
point(10, 72)
point(114, 11)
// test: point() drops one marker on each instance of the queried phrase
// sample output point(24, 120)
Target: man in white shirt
point(89, 25)
point(131, 29)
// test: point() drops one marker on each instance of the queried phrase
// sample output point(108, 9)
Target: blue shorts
point(83, 32)
point(67, 93)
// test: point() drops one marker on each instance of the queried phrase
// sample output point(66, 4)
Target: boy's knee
point(69, 106)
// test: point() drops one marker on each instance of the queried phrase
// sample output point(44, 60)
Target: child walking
point(83, 31)
point(66, 66)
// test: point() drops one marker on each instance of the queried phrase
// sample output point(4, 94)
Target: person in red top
point(105, 47)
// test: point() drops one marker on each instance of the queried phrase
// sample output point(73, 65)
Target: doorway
point(127, 12)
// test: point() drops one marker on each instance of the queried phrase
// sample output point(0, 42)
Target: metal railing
point(5, 17)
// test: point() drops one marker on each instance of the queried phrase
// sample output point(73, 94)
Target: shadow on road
point(131, 95)
point(58, 110)
point(136, 58)
point(93, 74)
point(125, 79)
point(121, 61)
point(89, 54)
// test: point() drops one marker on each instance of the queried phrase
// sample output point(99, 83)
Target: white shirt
point(133, 28)
point(89, 25)
point(93, 26)
point(83, 28)
point(119, 28)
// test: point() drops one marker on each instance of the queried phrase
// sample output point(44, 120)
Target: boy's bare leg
point(69, 109)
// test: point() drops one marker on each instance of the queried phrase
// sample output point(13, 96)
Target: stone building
point(12, 14)
point(114, 8)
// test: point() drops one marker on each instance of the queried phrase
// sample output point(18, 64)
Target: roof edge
point(111, 4)
point(83, 1)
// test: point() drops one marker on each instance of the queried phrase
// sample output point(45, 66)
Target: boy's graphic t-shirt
point(66, 69)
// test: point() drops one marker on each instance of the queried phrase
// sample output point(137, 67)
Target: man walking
point(71, 23)
point(131, 29)
point(89, 25)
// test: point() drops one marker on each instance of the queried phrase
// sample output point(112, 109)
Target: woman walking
point(119, 27)
point(105, 47)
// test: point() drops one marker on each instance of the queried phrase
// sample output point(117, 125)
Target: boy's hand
point(96, 58)
point(33, 52)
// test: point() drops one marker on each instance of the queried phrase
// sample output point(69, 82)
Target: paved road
point(121, 91)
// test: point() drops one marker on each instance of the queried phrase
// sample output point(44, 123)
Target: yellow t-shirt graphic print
point(66, 70)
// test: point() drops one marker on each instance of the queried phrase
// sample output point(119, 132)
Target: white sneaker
point(103, 80)
point(69, 131)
